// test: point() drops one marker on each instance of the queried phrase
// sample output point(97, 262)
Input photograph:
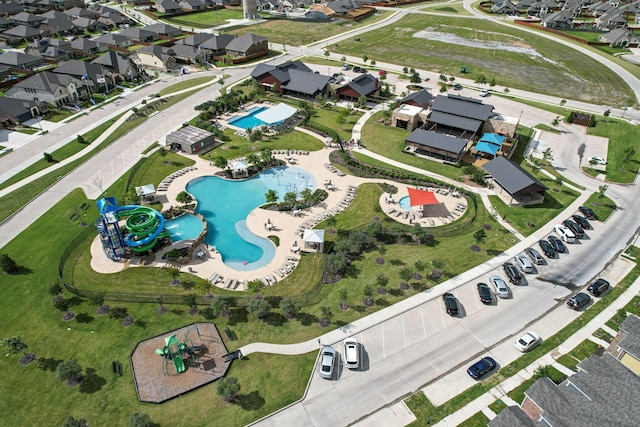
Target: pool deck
point(285, 225)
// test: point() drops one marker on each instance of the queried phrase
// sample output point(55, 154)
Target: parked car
point(499, 286)
point(578, 301)
point(574, 227)
point(351, 353)
point(557, 244)
point(598, 287)
point(582, 222)
point(597, 160)
point(457, 86)
point(346, 67)
point(534, 256)
point(528, 341)
point(481, 368)
point(356, 69)
point(485, 93)
point(485, 293)
point(564, 233)
point(450, 304)
point(327, 361)
point(587, 212)
point(512, 272)
point(547, 249)
point(524, 264)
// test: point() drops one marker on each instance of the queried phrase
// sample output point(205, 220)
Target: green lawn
point(211, 18)
point(622, 136)
point(476, 420)
point(328, 116)
point(185, 84)
point(517, 394)
point(632, 307)
point(497, 406)
point(593, 82)
point(602, 206)
point(585, 349)
point(300, 33)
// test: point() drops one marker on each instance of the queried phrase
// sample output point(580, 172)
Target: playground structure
point(198, 360)
point(144, 225)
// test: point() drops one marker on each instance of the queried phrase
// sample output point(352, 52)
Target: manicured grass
point(428, 414)
point(622, 136)
point(206, 19)
point(453, 8)
point(328, 116)
point(185, 84)
point(632, 307)
point(601, 205)
point(547, 128)
point(603, 335)
point(497, 406)
point(557, 174)
point(300, 33)
point(476, 420)
point(595, 83)
point(521, 217)
point(59, 115)
point(389, 142)
point(585, 349)
point(517, 394)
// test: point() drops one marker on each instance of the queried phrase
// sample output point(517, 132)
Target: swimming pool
point(405, 203)
point(184, 227)
point(225, 204)
point(249, 120)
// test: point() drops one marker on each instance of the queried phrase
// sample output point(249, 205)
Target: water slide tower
point(250, 9)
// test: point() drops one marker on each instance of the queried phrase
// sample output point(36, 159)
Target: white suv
point(565, 234)
point(351, 353)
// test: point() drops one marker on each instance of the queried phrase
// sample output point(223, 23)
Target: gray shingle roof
point(631, 343)
point(306, 82)
point(437, 141)
point(244, 43)
point(279, 72)
point(115, 60)
point(364, 84)
point(512, 177)
point(422, 98)
point(111, 39)
point(462, 106)
point(218, 42)
point(44, 81)
point(23, 31)
point(84, 45)
point(78, 69)
point(196, 39)
point(164, 29)
point(512, 416)
point(137, 33)
point(18, 58)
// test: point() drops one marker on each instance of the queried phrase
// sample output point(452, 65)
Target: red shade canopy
point(421, 197)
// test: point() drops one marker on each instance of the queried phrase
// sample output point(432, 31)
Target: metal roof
point(455, 121)
point(306, 82)
point(437, 141)
point(189, 134)
point(512, 177)
point(462, 106)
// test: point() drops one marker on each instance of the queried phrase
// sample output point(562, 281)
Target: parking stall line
point(404, 335)
point(384, 353)
point(424, 326)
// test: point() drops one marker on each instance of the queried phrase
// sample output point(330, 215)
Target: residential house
point(20, 60)
point(627, 350)
point(10, 8)
point(115, 40)
point(114, 19)
point(154, 56)
point(5, 24)
point(610, 21)
point(217, 45)
point(17, 111)
point(164, 30)
point(57, 23)
point(139, 34)
point(431, 144)
point(505, 7)
point(196, 39)
point(192, 5)
point(603, 392)
point(189, 54)
point(516, 185)
point(619, 38)
point(81, 12)
point(167, 6)
point(458, 115)
point(55, 89)
point(20, 32)
point(542, 7)
point(87, 47)
point(50, 48)
point(89, 24)
point(90, 74)
point(248, 45)
point(600, 8)
point(24, 18)
point(561, 19)
point(121, 66)
point(364, 85)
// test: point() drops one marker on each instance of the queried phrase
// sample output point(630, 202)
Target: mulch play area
point(156, 376)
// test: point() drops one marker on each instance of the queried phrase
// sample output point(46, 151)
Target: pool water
point(225, 204)
point(405, 203)
point(248, 121)
point(184, 227)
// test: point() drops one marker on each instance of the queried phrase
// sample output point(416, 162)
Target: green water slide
point(145, 226)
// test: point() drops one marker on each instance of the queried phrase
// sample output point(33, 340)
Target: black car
point(582, 222)
point(356, 69)
point(457, 86)
point(598, 287)
point(587, 212)
point(512, 272)
point(450, 304)
point(485, 293)
point(557, 244)
point(481, 368)
point(578, 301)
point(574, 227)
point(547, 249)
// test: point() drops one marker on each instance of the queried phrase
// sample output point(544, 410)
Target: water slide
point(145, 225)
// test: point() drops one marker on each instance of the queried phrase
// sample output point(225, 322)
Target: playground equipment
point(173, 350)
point(145, 226)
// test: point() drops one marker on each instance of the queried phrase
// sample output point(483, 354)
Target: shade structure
point(238, 165)
point(486, 147)
point(276, 115)
point(492, 138)
point(145, 190)
point(422, 197)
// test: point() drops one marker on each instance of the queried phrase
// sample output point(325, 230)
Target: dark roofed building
point(519, 184)
point(218, 45)
point(164, 29)
point(118, 64)
point(275, 76)
point(458, 115)
point(364, 85)
point(50, 48)
point(139, 34)
point(14, 111)
point(20, 32)
point(155, 56)
point(56, 89)
point(86, 46)
point(629, 345)
point(421, 98)
point(195, 39)
point(442, 147)
point(248, 45)
point(20, 60)
point(304, 83)
point(192, 140)
point(513, 416)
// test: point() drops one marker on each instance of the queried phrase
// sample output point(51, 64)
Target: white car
point(565, 234)
point(485, 93)
point(528, 341)
point(597, 160)
point(351, 353)
point(327, 359)
point(499, 286)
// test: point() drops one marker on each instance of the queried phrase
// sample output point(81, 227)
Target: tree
point(479, 235)
point(8, 265)
point(271, 196)
point(256, 286)
point(190, 300)
point(15, 345)
point(547, 154)
point(415, 78)
point(55, 289)
point(228, 388)
point(70, 421)
point(221, 306)
point(80, 139)
point(365, 58)
point(69, 371)
point(259, 307)
point(140, 419)
point(607, 113)
point(326, 53)
point(61, 303)
point(406, 274)
point(382, 280)
point(628, 155)
point(336, 263)
point(418, 233)
point(326, 313)
point(48, 157)
point(559, 181)
point(438, 263)
point(492, 83)
point(290, 198)
point(343, 59)
point(601, 190)
point(96, 299)
point(220, 162)
point(373, 62)
point(184, 198)
point(362, 101)
point(306, 195)
point(289, 307)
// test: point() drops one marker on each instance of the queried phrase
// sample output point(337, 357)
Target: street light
point(624, 110)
